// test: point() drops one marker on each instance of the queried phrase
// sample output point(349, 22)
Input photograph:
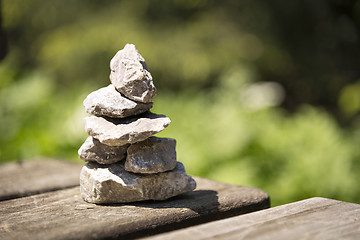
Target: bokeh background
point(260, 93)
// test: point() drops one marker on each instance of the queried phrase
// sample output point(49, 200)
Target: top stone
point(130, 75)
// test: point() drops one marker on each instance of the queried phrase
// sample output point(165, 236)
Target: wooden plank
point(64, 215)
point(315, 218)
point(37, 176)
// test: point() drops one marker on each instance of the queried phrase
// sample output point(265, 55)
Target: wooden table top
point(314, 218)
point(41, 200)
point(42, 203)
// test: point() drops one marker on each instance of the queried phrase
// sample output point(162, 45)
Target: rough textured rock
point(109, 102)
point(153, 155)
point(112, 184)
point(130, 75)
point(120, 131)
point(94, 150)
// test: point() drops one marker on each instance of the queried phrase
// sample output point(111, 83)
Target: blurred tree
point(3, 43)
point(310, 47)
point(319, 40)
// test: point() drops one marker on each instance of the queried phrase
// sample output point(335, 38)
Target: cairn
point(126, 163)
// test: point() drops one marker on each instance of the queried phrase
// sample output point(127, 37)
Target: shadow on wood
point(182, 201)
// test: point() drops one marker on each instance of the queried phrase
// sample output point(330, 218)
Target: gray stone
point(109, 102)
point(153, 155)
point(121, 131)
point(113, 184)
point(94, 150)
point(130, 75)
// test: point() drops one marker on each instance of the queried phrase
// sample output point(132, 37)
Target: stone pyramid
point(126, 163)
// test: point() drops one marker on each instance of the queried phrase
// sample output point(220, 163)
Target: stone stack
point(126, 163)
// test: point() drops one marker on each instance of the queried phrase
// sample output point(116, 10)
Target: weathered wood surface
point(315, 218)
point(63, 214)
point(37, 176)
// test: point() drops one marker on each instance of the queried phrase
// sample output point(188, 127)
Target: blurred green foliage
point(290, 157)
point(255, 89)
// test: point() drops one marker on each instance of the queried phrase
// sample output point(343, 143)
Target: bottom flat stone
point(113, 184)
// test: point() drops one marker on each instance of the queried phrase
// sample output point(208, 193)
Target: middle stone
point(121, 131)
point(109, 102)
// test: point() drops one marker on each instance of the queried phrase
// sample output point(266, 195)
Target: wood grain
point(315, 218)
point(37, 176)
point(64, 215)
